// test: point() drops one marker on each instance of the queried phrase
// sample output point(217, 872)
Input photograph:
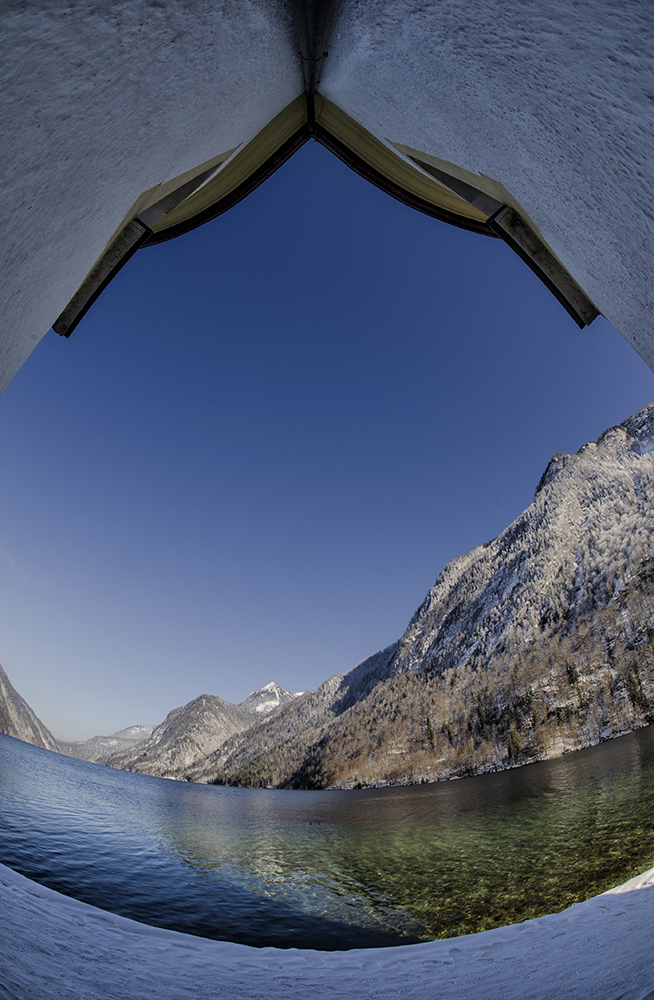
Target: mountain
point(193, 731)
point(266, 700)
point(538, 642)
point(99, 748)
point(132, 734)
point(17, 718)
point(271, 754)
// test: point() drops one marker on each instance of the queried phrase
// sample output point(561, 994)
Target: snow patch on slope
point(54, 946)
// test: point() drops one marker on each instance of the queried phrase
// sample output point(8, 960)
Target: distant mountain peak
point(98, 749)
point(267, 699)
point(133, 733)
point(193, 731)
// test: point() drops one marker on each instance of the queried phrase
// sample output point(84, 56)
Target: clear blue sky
point(266, 439)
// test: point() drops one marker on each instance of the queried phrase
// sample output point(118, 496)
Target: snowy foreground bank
point(54, 946)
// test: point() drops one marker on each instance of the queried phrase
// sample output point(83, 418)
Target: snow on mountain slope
point(590, 527)
point(187, 734)
point(270, 697)
point(134, 734)
point(191, 732)
point(535, 643)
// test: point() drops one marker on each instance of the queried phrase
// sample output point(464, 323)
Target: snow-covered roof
point(535, 117)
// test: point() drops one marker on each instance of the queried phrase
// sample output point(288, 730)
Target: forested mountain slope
point(535, 643)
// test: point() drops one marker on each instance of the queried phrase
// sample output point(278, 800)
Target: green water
point(462, 856)
point(332, 869)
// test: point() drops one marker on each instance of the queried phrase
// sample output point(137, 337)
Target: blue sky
point(266, 439)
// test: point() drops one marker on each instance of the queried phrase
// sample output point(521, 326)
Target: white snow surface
point(54, 946)
point(135, 733)
point(267, 699)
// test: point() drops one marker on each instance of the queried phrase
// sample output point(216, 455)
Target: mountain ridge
point(98, 749)
point(535, 643)
point(191, 732)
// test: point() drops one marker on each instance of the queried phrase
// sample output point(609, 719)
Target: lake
point(332, 869)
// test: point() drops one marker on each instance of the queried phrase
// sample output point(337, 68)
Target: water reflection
point(332, 869)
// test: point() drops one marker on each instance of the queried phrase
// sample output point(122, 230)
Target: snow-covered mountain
point(193, 731)
point(17, 718)
point(588, 534)
point(267, 699)
point(535, 643)
point(538, 642)
point(133, 734)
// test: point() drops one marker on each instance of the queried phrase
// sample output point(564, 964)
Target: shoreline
point(420, 780)
point(55, 945)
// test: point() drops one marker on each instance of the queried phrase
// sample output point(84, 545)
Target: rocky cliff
point(17, 718)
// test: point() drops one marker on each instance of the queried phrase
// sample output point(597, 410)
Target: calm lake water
point(331, 870)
